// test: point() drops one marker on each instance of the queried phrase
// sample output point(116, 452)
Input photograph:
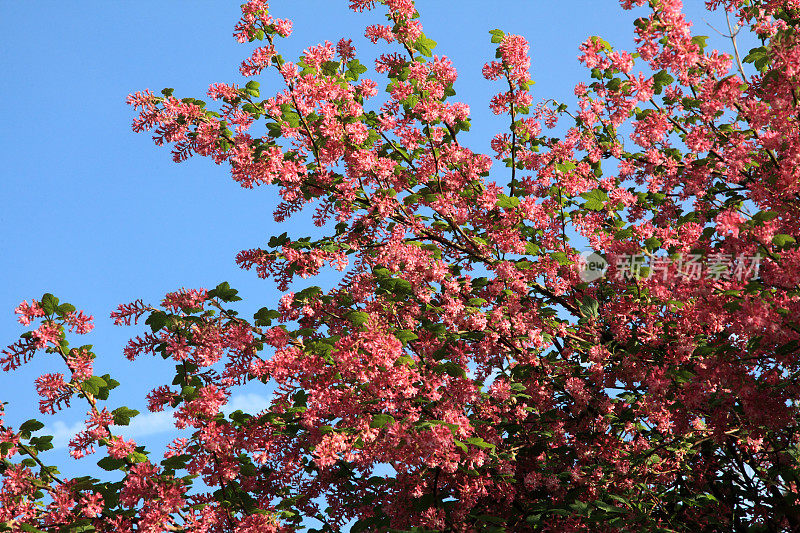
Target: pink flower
point(357, 132)
point(80, 363)
point(404, 8)
point(575, 387)
point(276, 337)
point(345, 49)
point(315, 56)
point(500, 390)
point(53, 391)
point(158, 398)
point(119, 448)
point(286, 301)
point(728, 222)
point(514, 50)
point(185, 299)
point(258, 61)
point(368, 88)
point(222, 90)
point(47, 332)
point(379, 31)
point(79, 323)
point(207, 404)
point(283, 27)
point(92, 505)
point(493, 70)
point(28, 312)
point(361, 5)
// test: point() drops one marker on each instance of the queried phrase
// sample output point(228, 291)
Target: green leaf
point(330, 67)
point(652, 243)
point(561, 258)
point(425, 46)
point(507, 202)
point(29, 528)
point(581, 508)
point(683, 375)
point(479, 442)
point(292, 118)
point(110, 463)
point(764, 216)
point(410, 199)
point(405, 336)
point(405, 360)
point(661, 78)
point(497, 35)
point(760, 57)
point(157, 320)
point(489, 519)
point(123, 415)
point(358, 318)
point(602, 42)
point(595, 200)
point(176, 462)
point(273, 129)
point(623, 234)
point(590, 307)
point(111, 383)
point(265, 316)
point(355, 69)
point(782, 240)
point(93, 385)
point(29, 426)
point(137, 457)
point(789, 347)
point(524, 265)
point(188, 392)
point(49, 303)
point(373, 523)
point(65, 309)
point(224, 292)
point(450, 368)
point(381, 420)
point(700, 40)
point(606, 507)
point(81, 526)
point(279, 240)
point(402, 286)
point(42, 443)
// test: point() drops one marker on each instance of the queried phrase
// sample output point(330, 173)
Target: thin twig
point(732, 36)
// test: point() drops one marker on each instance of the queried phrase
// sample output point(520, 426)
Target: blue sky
point(98, 216)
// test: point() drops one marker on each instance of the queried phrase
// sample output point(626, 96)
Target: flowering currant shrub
point(468, 373)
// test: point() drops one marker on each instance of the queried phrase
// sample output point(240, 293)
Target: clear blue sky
point(99, 216)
